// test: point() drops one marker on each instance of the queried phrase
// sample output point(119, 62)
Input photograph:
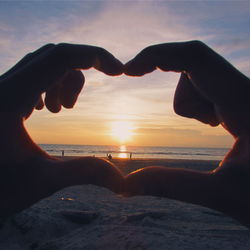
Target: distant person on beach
point(213, 92)
point(109, 156)
point(62, 153)
point(27, 173)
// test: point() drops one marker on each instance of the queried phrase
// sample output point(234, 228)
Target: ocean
point(136, 151)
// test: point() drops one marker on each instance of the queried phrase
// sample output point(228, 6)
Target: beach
point(90, 217)
point(127, 165)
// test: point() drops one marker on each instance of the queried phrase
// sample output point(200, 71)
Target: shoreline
point(129, 165)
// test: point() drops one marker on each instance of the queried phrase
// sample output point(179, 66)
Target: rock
point(81, 217)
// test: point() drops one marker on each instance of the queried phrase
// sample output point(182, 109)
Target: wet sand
point(127, 166)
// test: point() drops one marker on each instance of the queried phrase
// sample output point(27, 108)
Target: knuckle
point(61, 48)
point(44, 48)
point(101, 51)
point(80, 80)
point(196, 46)
point(148, 50)
point(178, 109)
point(49, 45)
point(29, 55)
point(198, 51)
point(196, 43)
point(61, 54)
point(183, 108)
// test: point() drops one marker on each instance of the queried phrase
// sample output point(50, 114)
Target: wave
point(124, 152)
point(137, 152)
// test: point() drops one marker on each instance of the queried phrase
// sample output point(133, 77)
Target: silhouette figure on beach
point(130, 155)
point(109, 156)
point(210, 90)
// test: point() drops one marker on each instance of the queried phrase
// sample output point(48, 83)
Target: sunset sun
point(122, 131)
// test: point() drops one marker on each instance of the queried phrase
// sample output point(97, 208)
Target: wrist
point(15, 143)
point(239, 154)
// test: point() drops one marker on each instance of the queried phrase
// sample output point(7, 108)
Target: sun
point(122, 130)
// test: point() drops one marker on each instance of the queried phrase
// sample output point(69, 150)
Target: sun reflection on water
point(123, 153)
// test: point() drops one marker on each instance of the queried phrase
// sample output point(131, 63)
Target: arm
point(27, 173)
point(212, 91)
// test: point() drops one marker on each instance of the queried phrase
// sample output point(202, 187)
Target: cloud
point(181, 137)
point(123, 28)
point(164, 130)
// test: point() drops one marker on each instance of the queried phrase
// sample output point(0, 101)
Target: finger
point(71, 56)
point(207, 70)
point(49, 67)
point(40, 103)
point(107, 63)
point(64, 57)
point(26, 59)
point(168, 57)
point(85, 57)
point(52, 100)
point(188, 102)
point(71, 87)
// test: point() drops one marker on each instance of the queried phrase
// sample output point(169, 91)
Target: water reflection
point(123, 153)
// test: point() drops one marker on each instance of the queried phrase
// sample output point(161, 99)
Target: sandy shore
point(127, 165)
point(90, 217)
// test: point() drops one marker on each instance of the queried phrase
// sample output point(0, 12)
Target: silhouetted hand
point(27, 173)
point(212, 91)
point(54, 70)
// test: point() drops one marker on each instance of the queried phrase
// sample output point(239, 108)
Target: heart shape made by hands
point(54, 70)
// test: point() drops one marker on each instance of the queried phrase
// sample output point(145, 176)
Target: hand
point(27, 173)
point(210, 89)
point(54, 70)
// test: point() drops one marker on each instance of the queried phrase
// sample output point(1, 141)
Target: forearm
point(15, 144)
point(180, 184)
point(238, 156)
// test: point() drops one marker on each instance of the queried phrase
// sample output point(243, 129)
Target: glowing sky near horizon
point(124, 28)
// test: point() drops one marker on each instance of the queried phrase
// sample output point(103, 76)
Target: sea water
point(136, 151)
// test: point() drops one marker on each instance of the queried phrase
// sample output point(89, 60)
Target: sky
point(144, 106)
